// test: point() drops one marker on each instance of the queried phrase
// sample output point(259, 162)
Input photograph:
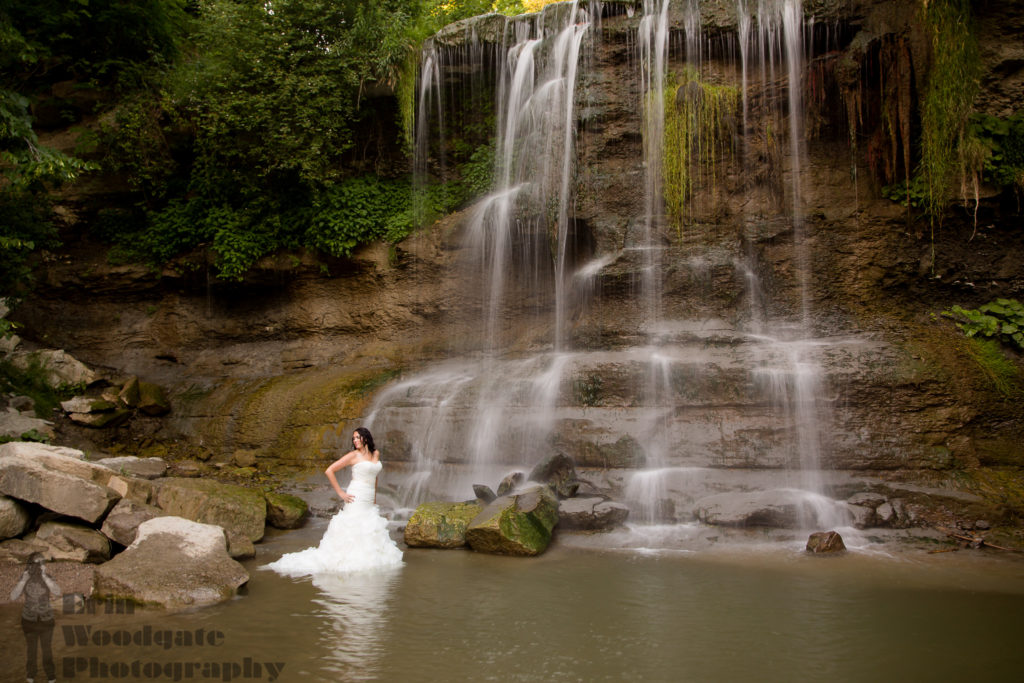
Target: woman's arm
point(340, 463)
point(16, 593)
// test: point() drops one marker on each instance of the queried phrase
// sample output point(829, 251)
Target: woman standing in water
point(37, 616)
point(357, 537)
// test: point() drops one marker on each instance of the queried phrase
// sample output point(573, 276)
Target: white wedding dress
point(356, 539)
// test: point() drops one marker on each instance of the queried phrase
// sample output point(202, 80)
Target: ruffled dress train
point(356, 539)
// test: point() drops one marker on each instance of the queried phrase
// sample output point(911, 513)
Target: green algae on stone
point(439, 524)
point(519, 524)
point(285, 511)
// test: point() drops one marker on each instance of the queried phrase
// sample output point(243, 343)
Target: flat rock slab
point(143, 468)
point(778, 508)
point(51, 477)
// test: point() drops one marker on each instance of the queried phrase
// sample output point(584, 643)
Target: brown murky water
point(764, 613)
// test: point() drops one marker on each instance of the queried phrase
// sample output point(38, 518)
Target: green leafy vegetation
point(1001, 320)
point(240, 127)
point(1002, 140)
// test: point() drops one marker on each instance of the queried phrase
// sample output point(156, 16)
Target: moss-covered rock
point(440, 525)
point(285, 511)
point(519, 524)
point(235, 508)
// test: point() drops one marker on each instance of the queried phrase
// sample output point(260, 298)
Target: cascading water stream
point(492, 410)
point(487, 411)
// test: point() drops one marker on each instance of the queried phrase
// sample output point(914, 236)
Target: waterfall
point(682, 399)
point(486, 410)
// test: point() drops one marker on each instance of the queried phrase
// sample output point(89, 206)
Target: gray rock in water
point(173, 563)
point(285, 511)
point(509, 483)
point(591, 514)
point(483, 493)
point(779, 508)
point(559, 473)
point(822, 542)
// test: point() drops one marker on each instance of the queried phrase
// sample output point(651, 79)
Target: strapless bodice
point(364, 479)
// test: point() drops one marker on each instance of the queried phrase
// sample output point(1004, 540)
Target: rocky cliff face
point(287, 362)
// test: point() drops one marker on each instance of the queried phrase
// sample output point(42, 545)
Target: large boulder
point(516, 524)
point(172, 563)
point(591, 514)
point(14, 518)
point(240, 511)
point(285, 511)
point(123, 521)
point(57, 479)
point(440, 525)
point(559, 473)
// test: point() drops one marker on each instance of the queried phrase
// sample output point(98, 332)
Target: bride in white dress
point(357, 537)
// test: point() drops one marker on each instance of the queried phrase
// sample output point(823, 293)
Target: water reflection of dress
point(356, 539)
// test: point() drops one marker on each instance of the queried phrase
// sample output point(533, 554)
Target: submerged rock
point(518, 524)
point(440, 525)
point(825, 542)
point(173, 563)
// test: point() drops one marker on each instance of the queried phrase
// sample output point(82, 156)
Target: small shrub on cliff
point(1002, 319)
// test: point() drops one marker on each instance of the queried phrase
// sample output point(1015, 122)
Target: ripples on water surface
point(750, 613)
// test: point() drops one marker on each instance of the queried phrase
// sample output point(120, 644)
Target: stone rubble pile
point(157, 539)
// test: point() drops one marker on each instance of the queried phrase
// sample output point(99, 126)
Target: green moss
point(1001, 374)
point(697, 137)
point(952, 84)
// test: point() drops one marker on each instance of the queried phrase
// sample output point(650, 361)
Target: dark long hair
point(367, 438)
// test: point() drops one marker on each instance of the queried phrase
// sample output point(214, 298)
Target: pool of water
point(580, 612)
